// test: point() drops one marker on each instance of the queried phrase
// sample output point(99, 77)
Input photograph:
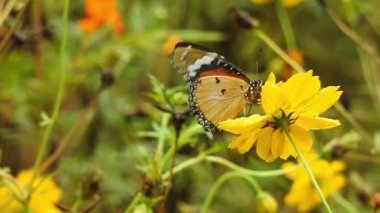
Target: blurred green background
point(111, 126)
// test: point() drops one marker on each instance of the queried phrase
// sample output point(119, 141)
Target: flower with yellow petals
point(302, 194)
point(261, 1)
point(286, 71)
point(290, 107)
point(170, 43)
point(42, 200)
point(285, 3)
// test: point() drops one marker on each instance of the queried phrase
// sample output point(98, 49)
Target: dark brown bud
point(107, 78)
point(322, 3)
point(244, 19)
point(375, 202)
point(91, 185)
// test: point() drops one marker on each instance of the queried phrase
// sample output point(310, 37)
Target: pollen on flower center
point(281, 121)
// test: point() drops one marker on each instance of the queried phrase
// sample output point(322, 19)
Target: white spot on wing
point(205, 60)
point(185, 52)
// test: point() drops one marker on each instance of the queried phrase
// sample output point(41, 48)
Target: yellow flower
point(290, 3)
point(283, 70)
point(42, 200)
point(266, 203)
point(261, 1)
point(170, 43)
point(302, 194)
point(285, 3)
point(292, 106)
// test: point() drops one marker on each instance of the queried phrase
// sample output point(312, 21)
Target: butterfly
point(218, 90)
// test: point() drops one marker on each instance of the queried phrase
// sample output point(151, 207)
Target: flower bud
point(244, 19)
point(266, 203)
point(375, 202)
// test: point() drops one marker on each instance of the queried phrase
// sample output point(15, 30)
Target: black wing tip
point(193, 45)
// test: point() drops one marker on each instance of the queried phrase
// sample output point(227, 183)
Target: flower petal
point(290, 3)
point(247, 145)
point(301, 86)
point(320, 102)
point(333, 184)
point(238, 141)
point(294, 174)
point(272, 99)
point(316, 122)
point(263, 147)
point(243, 124)
point(302, 194)
point(302, 138)
point(277, 144)
point(271, 79)
point(88, 25)
point(295, 196)
point(261, 1)
point(338, 165)
point(305, 205)
point(287, 150)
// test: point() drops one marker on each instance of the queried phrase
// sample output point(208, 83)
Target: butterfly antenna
point(257, 66)
point(258, 60)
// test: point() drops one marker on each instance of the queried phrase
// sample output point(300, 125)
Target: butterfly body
point(218, 90)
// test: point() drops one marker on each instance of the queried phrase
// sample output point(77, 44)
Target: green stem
point(171, 175)
point(286, 26)
point(58, 100)
point(184, 165)
point(11, 183)
point(78, 202)
point(368, 67)
point(133, 203)
point(354, 123)
point(6, 10)
point(261, 35)
point(219, 183)
point(270, 173)
point(343, 202)
point(308, 170)
point(355, 37)
point(366, 64)
point(229, 165)
point(161, 139)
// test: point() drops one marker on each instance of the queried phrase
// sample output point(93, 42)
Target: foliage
point(89, 103)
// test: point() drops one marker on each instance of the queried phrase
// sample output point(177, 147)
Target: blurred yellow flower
point(170, 43)
point(290, 3)
point(42, 200)
point(287, 71)
point(292, 106)
point(261, 1)
point(266, 203)
point(302, 194)
point(285, 3)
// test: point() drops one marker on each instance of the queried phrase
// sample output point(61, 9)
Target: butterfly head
point(252, 95)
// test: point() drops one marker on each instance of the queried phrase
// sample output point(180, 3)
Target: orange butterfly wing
point(218, 90)
point(220, 97)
